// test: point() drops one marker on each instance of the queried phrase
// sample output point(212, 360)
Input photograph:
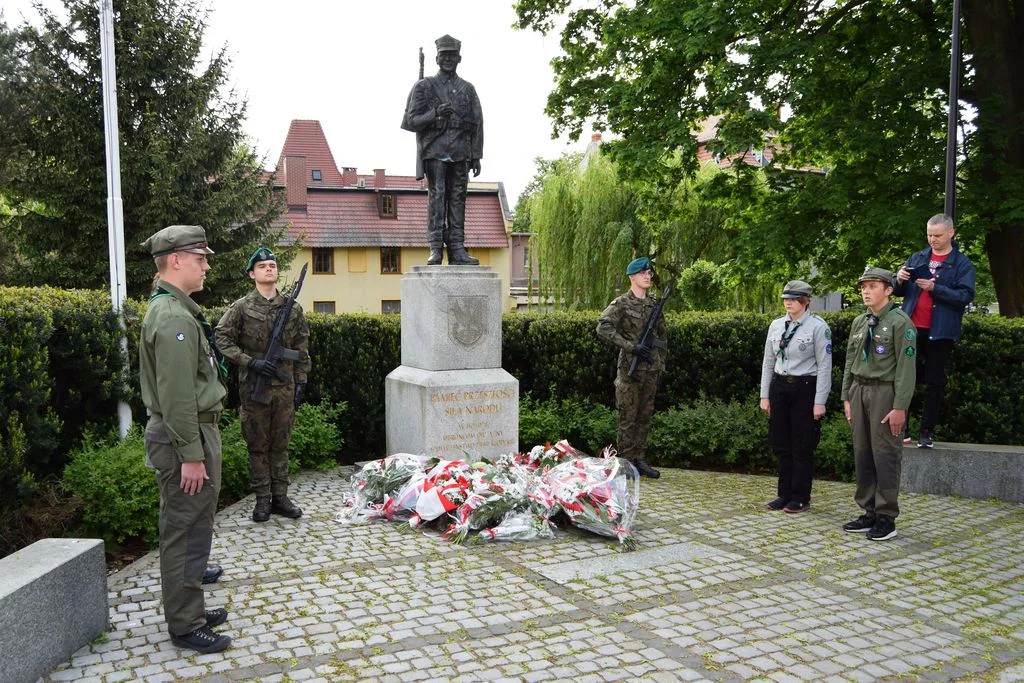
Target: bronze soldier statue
point(444, 112)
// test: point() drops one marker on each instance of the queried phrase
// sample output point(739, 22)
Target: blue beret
point(261, 254)
point(639, 265)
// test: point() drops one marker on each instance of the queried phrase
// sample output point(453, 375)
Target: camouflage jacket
point(623, 323)
point(243, 333)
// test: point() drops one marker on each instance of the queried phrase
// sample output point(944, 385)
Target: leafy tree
point(863, 83)
point(184, 158)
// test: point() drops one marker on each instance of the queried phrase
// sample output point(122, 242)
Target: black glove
point(263, 367)
point(299, 388)
point(642, 351)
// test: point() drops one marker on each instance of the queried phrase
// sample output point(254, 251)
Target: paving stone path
point(720, 590)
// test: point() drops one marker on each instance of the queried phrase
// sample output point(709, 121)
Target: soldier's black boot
point(261, 512)
point(280, 505)
point(435, 256)
point(457, 256)
point(644, 469)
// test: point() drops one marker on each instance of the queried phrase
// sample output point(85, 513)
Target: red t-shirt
point(922, 316)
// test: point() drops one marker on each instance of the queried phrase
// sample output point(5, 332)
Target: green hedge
point(58, 361)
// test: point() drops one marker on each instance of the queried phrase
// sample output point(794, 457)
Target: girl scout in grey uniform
point(796, 376)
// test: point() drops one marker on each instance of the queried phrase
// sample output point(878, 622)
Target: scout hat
point(261, 254)
point(448, 44)
point(638, 265)
point(191, 238)
point(795, 289)
point(875, 273)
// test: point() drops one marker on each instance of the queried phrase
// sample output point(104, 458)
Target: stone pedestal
point(450, 397)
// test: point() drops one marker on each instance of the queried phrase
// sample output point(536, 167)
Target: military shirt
point(623, 323)
point(808, 352)
point(178, 371)
point(243, 333)
point(457, 137)
point(890, 354)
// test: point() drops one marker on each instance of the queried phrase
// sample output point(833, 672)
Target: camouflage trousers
point(634, 400)
point(267, 429)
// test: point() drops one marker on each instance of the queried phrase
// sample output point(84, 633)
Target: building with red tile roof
point(360, 232)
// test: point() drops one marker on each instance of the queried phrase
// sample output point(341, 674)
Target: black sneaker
point(777, 504)
point(796, 506)
point(216, 617)
point(203, 640)
point(861, 525)
point(926, 440)
point(883, 530)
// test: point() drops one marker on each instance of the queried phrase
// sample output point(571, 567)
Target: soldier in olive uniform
point(622, 324)
point(180, 372)
point(878, 383)
point(796, 377)
point(243, 334)
point(444, 112)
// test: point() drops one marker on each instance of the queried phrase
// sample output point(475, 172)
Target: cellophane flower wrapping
point(518, 526)
point(600, 495)
point(495, 491)
point(374, 482)
point(445, 488)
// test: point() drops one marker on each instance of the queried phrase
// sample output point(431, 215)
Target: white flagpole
point(115, 212)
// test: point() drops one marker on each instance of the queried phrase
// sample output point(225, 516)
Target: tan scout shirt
point(178, 370)
point(890, 356)
point(243, 333)
point(623, 323)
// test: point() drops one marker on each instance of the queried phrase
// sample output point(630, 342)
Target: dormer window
point(387, 205)
point(317, 175)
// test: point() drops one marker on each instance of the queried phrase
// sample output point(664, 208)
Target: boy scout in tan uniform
point(878, 383)
point(243, 334)
point(180, 374)
point(622, 324)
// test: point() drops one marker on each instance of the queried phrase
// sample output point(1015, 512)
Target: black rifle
point(421, 63)
point(648, 338)
point(275, 352)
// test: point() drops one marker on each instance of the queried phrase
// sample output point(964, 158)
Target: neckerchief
point(787, 336)
point(207, 332)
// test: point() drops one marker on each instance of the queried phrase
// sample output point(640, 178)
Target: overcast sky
point(351, 64)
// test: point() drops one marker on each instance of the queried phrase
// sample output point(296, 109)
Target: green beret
point(880, 274)
point(795, 289)
point(638, 265)
point(261, 254)
point(191, 238)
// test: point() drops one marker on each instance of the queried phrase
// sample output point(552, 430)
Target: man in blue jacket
point(937, 284)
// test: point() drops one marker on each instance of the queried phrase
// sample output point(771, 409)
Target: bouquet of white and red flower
point(444, 489)
point(600, 495)
point(374, 482)
point(496, 490)
point(518, 526)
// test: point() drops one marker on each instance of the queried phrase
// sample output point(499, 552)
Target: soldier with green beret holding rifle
point(180, 371)
point(878, 383)
point(243, 334)
point(622, 324)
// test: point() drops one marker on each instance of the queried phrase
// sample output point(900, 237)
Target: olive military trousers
point(634, 400)
point(186, 525)
point(267, 429)
point(878, 454)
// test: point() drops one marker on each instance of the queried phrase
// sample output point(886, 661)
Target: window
point(323, 307)
point(387, 205)
point(390, 306)
point(323, 260)
point(317, 175)
point(390, 261)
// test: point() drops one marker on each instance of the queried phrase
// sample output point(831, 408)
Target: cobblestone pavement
point(720, 590)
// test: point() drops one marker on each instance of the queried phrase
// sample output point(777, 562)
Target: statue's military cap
point(448, 44)
point(191, 238)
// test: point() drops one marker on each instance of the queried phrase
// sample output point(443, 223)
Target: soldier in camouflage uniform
point(243, 334)
point(180, 375)
point(878, 383)
point(622, 324)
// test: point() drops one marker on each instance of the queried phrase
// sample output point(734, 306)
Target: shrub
point(711, 433)
point(834, 457)
point(316, 442)
point(586, 425)
point(120, 494)
point(234, 474)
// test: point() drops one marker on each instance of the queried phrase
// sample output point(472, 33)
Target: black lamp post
point(954, 100)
